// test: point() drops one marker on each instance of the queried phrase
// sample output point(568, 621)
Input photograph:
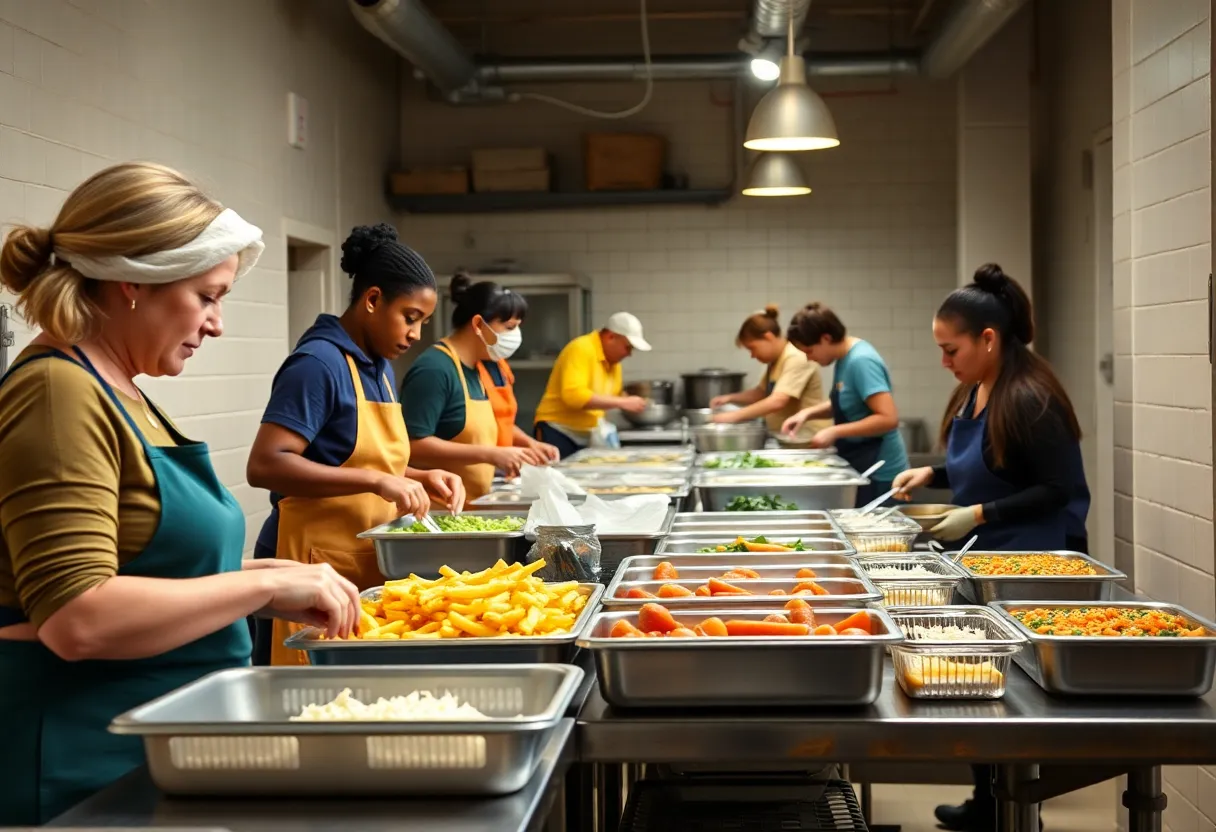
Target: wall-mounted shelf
point(552, 200)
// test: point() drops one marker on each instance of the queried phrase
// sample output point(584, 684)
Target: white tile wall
point(203, 87)
point(875, 240)
point(1162, 111)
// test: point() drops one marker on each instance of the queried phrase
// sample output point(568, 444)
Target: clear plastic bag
point(605, 435)
point(571, 553)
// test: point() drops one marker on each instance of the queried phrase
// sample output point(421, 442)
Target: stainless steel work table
point(1043, 746)
point(134, 802)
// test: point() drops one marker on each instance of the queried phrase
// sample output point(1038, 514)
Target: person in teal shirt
point(866, 428)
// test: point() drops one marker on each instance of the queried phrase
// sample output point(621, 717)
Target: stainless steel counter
point(134, 802)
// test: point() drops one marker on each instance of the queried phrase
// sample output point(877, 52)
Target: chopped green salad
point(749, 460)
point(748, 545)
point(468, 523)
point(771, 502)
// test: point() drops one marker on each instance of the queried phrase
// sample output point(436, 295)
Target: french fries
point(500, 602)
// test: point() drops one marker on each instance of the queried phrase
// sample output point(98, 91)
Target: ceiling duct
point(411, 31)
point(969, 25)
point(770, 18)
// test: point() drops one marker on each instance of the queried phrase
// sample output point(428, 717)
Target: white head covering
point(227, 235)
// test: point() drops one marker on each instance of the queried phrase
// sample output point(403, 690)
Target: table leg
point(556, 819)
point(580, 798)
point(1144, 800)
point(1013, 815)
point(608, 797)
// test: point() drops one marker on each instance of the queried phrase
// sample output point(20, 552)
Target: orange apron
point(480, 428)
point(503, 401)
point(323, 529)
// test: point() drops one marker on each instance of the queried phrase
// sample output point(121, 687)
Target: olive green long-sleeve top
point(77, 495)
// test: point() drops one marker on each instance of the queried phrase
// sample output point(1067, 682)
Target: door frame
point(1103, 495)
point(315, 235)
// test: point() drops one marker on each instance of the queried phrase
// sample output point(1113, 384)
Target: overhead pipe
point(968, 26)
point(411, 31)
point(770, 18)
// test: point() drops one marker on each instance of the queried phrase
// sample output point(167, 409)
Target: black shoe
point(970, 817)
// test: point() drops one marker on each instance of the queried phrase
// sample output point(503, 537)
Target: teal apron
point(56, 750)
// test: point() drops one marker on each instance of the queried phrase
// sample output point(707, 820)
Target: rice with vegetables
point(1031, 564)
point(1107, 621)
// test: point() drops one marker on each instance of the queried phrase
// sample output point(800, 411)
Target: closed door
point(305, 301)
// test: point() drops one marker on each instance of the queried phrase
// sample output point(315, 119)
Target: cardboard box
point(500, 181)
point(624, 161)
point(510, 159)
point(430, 181)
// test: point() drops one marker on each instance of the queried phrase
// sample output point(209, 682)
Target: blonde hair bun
point(771, 311)
point(26, 254)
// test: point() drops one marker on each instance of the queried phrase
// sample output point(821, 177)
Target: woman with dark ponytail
point(1013, 453)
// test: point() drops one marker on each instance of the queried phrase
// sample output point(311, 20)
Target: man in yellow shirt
point(586, 381)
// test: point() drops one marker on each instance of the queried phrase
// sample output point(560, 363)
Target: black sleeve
point(941, 478)
point(1041, 461)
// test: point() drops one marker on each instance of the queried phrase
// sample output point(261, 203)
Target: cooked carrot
point(624, 629)
point(674, 591)
point(715, 586)
point(665, 572)
point(777, 592)
point(854, 631)
point(777, 617)
point(656, 617)
point(702, 591)
point(740, 575)
point(859, 620)
point(739, 592)
point(801, 612)
point(815, 588)
point(638, 592)
point(824, 630)
point(765, 547)
point(699, 630)
point(803, 592)
point(713, 627)
point(806, 572)
point(765, 628)
point(681, 632)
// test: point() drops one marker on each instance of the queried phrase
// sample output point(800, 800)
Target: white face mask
point(508, 343)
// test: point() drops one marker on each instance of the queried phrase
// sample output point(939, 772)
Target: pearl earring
point(132, 304)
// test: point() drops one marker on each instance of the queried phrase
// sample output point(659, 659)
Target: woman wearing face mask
point(791, 381)
point(1013, 452)
point(332, 448)
point(458, 399)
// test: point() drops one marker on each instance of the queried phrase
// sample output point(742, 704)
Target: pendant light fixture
point(775, 174)
point(791, 117)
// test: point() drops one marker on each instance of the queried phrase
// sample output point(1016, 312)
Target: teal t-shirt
point(859, 375)
point(432, 398)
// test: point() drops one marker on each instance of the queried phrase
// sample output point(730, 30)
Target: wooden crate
point(430, 180)
point(624, 161)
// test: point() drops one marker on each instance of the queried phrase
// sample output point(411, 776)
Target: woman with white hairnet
point(121, 575)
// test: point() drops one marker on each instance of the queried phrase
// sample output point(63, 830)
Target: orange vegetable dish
point(656, 621)
point(1027, 565)
point(1107, 621)
point(721, 586)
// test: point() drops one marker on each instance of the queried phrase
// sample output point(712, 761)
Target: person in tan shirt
point(791, 382)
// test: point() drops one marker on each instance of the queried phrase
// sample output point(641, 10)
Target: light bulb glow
point(783, 191)
point(792, 144)
point(765, 70)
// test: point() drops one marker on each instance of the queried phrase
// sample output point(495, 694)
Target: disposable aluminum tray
point(555, 649)
point(230, 732)
point(808, 491)
point(657, 455)
point(400, 553)
point(790, 460)
point(815, 546)
point(740, 671)
point(974, 669)
point(984, 589)
point(908, 590)
point(1116, 665)
point(843, 591)
point(895, 533)
point(724, 561)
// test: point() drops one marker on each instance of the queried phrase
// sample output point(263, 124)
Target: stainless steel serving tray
point(554, 649)
point(642, 569)
point(808, 490)
point(793, 459)
point(983, 589)
point(843, 591)
point(727, 560)
point(728, 520)
point(400, 553)
point(913, 590)
point(815, 546)
point(652, 456)
point(1115, 665)
point(600, 482)
point(230, 733)
point(738, 671)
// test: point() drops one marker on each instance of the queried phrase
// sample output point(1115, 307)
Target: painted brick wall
point(90, 82)
point(876, 239)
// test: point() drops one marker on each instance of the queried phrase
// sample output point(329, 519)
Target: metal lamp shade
point(792, 116)
point(775, 174)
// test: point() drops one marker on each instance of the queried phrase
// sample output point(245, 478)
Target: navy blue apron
point(55, 713)
point(860, 452)
point(973, 483)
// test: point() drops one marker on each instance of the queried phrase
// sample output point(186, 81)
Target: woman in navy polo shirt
point(332, 448)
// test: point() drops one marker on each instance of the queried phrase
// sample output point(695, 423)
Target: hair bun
point(26, 254)
point(459, 287)
point(362, 243)
point(772, 311)
point(991, 278)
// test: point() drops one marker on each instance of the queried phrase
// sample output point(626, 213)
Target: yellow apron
point(480, 428)
point(323, 529)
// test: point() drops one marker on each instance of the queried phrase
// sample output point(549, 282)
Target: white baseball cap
point(622, 323)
